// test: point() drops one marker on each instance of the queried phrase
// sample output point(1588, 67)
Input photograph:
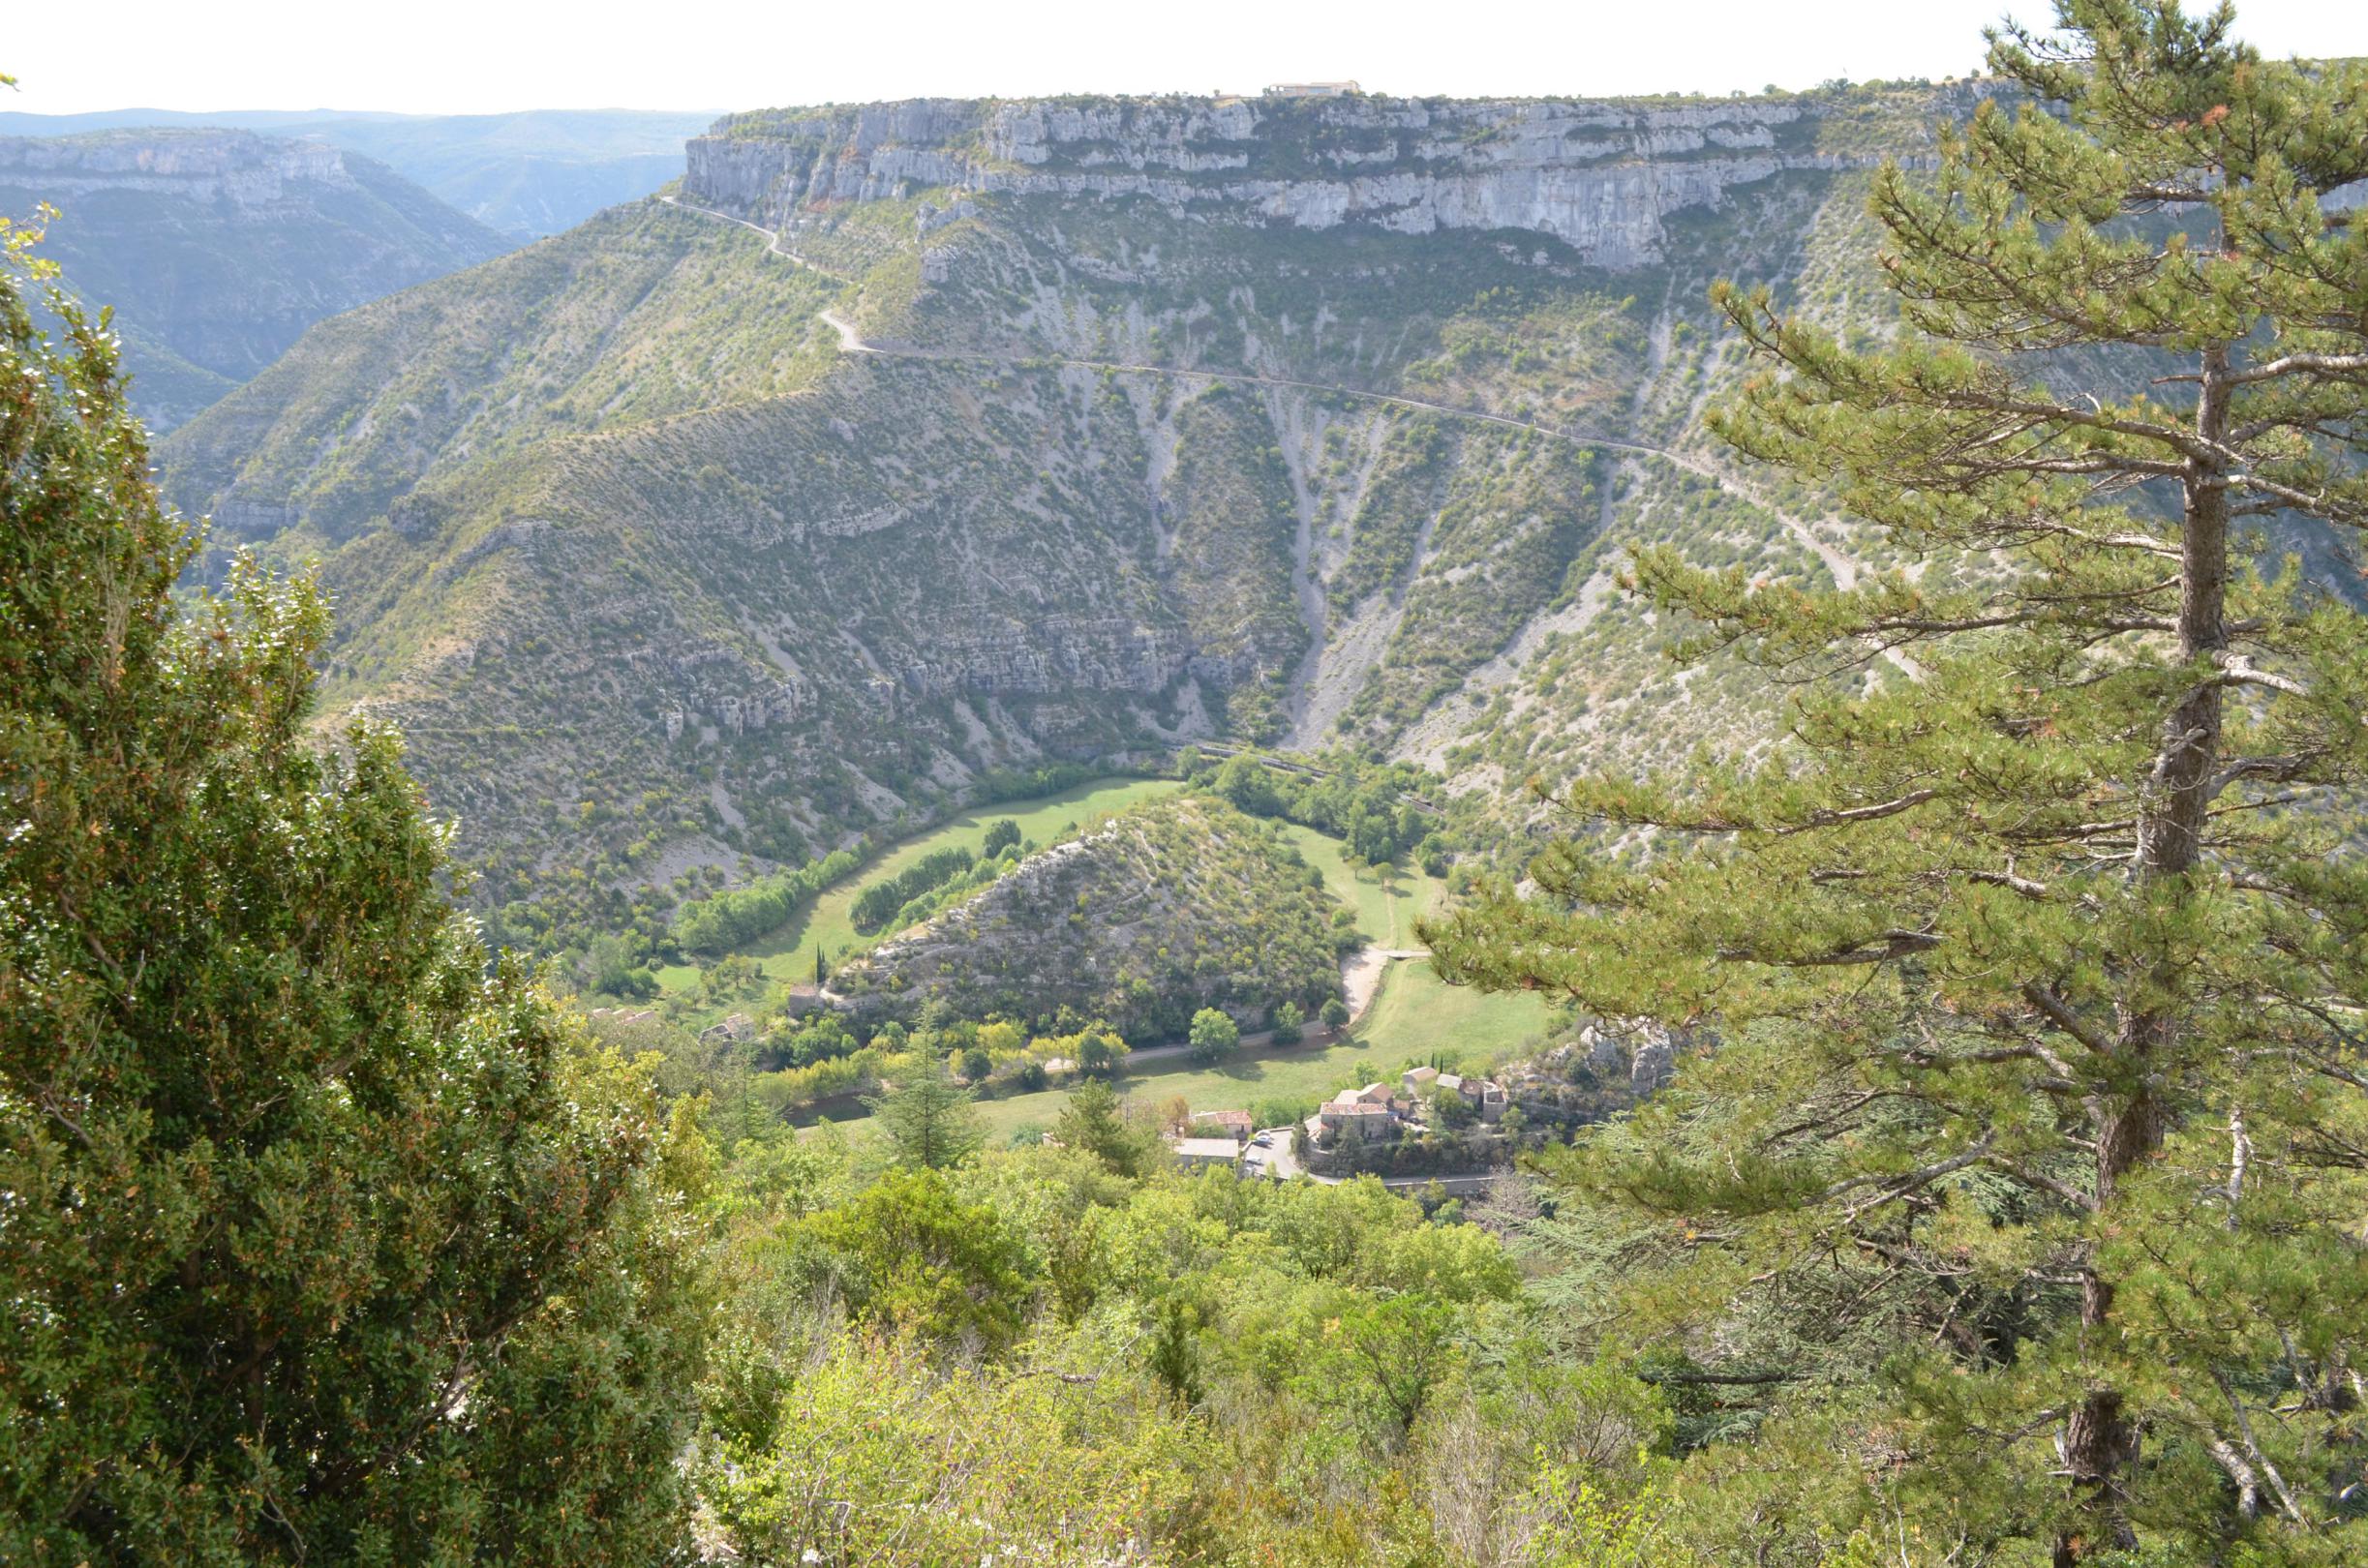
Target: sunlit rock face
point(1601, 177)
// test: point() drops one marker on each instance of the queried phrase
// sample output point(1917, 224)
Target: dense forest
point(2005, 1206)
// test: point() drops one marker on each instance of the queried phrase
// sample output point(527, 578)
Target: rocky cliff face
point(530, 173)
point(1601, 177)
point(218, 248)
point(248, 171)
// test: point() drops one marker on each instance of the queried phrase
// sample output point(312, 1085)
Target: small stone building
point(1195, 1154)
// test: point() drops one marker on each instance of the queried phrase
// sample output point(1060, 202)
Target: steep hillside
point(1179, 904)
point(908, 442)
point(219, 248)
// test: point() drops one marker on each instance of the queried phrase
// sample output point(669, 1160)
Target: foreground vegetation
point(323, 1239)
point(2005, 1208)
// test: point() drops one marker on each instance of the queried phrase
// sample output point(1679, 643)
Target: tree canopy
point(321, 1242)
point(2033, 954)
point(1214, 1034)
point(929, 1119)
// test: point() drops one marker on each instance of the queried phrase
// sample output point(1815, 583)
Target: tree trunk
point(2100, 1440)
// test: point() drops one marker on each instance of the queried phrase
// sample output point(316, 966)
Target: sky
point(485, 57)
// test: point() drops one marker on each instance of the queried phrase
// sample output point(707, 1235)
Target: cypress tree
point(2035, 946)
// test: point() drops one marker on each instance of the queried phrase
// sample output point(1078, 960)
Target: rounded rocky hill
point(1178, 904)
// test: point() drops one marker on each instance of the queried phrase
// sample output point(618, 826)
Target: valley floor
point(1415, 1014)
point(1401, 1012)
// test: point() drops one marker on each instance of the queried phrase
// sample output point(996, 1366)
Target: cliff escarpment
point(1601, 176)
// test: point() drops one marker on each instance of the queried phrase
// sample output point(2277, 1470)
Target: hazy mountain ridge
point(219, 248)
point(527, 174)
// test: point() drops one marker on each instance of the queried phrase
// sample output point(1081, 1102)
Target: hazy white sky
point(470, 56)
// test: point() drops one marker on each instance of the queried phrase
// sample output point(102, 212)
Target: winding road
point(853, 342)
point(1844, 570)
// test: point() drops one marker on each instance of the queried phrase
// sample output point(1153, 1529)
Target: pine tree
point(1095, 1122)
point(931, 1121)
point(2035, 949)
point(317, 1242)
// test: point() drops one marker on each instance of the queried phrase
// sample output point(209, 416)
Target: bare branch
point(1870, 813)
point(1908, 1181)
point(2344, 365)
point(2059, 1013)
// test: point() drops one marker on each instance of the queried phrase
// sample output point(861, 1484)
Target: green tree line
point(739, 916)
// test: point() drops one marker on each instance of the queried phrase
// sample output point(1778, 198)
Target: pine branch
point(1871, 813)
point(1902, 1184)
point(2059, 1013)
point(2235, 670)
point(2323, 506)
point(2069, 1193)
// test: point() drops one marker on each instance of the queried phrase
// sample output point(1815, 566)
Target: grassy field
point(1387, 902)
point(788, 954)
point(1415, 1014)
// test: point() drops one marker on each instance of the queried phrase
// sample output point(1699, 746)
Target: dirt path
point(1360, 977)
point(849, 342)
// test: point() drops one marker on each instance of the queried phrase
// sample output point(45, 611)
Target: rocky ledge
point(1600, 175)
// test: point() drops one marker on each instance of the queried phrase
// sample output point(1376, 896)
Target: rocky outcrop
point(1055, 655)
point(1600, 175)
point(1636, 1049)
point(248, 171)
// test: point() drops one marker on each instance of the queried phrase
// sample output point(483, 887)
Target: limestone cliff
point(250, 172)
point(1601, 176)
point(1017, 434)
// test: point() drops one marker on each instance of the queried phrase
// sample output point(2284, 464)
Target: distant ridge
point(218, 248)
point(529, 172)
